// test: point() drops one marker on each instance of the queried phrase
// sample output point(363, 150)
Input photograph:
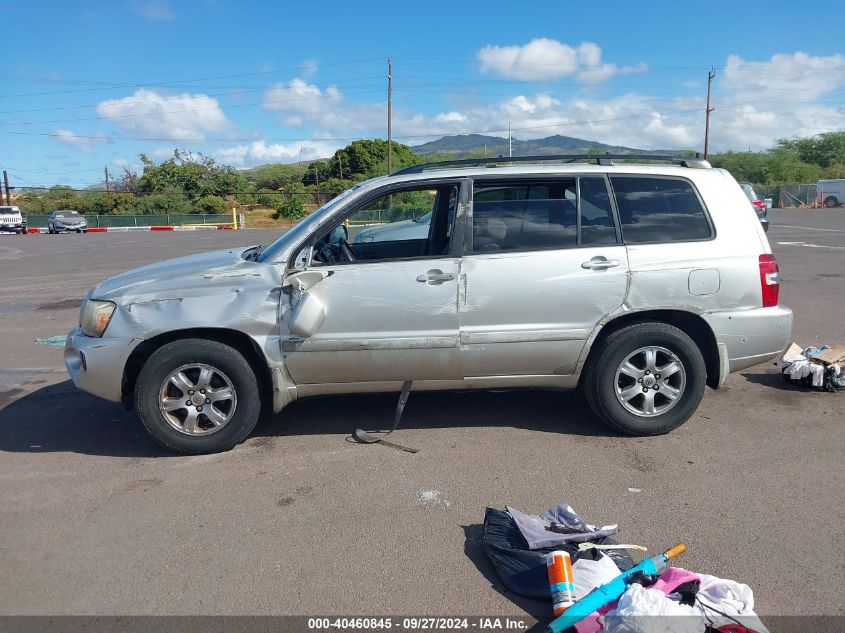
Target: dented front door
point(373, 321)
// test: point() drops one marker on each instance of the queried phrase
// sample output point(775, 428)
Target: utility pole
point(106, 169)
point(389, 117)
point(6, 182)
point(340, 165)
point(510, 141)
point(317, 178)
point(710, 76)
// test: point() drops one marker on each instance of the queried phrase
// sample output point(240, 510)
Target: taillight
point(769, 281)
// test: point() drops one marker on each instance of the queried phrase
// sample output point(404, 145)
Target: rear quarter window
point(659, 210)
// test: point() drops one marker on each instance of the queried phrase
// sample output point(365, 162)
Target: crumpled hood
point(171, 274)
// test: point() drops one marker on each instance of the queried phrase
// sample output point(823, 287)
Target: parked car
point(640, 284)
point(758, 203)
point(66, 220)
point(12, 220)
point(399, 230)
point(830, 193)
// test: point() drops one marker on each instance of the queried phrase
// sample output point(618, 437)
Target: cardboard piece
point(833, 356)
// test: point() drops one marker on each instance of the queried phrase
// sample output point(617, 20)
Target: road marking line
point(808, 228)
point(808, 245)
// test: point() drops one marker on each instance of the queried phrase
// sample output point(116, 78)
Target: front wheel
point(831, 202)
point(645, 379)
point(197, 396)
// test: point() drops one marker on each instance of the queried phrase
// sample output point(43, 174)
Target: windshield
point(749, 191)
point(67, 214)
point(271, 252)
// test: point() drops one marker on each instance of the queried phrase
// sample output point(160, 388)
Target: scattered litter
point(52, 341)
point(523, 570)
point(557, 526)
point(611, 593)
point(369, 437)
point(432, 496)
point(582, 547)
point(634, 490)
point(820, 367)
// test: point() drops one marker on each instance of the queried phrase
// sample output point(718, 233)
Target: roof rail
point(601, 159)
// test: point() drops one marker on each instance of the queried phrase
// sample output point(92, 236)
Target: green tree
point(168, 201)
point(290, 206)
point(211, 204)
point(195, 175)
point(823, 150)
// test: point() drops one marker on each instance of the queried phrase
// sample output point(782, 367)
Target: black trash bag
point(522, 570)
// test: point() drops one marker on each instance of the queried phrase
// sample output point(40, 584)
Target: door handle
point(600, 263)
point(435, 277)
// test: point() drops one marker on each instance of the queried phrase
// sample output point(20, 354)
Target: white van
point(830, 193)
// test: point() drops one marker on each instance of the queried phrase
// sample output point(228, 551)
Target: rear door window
point(659, 210)
point(523, 216)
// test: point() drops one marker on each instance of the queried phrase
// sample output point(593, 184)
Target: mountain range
point(463, 144)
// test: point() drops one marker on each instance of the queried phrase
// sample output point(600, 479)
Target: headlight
point(95, 316)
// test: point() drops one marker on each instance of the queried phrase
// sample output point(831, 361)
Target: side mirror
point(302, 259)
point(341, 233)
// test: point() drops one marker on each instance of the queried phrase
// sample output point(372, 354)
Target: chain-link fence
point(790, 195)
point(170, 219)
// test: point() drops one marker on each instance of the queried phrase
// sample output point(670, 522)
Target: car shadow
point(60, 417)
point(774, 380)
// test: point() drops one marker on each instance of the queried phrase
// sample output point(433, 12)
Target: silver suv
point(638, 283)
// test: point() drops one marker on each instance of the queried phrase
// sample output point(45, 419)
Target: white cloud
point(182, 116)
point(84, 143)
point(544, 59)
point(300, 96)
point(154, 10)
point(259, 152)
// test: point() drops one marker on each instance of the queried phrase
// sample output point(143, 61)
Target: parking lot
point(298, 520)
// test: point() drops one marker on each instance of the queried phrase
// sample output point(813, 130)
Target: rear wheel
point(197, 396)
point(831, 201)
point(645, 379)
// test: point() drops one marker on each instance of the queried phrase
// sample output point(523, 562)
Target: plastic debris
point(821, 367)
point(52, 341)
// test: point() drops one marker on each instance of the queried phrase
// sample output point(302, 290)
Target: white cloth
point(638, 606)
point(588, 574)
point(802, 368)
point(731, 598)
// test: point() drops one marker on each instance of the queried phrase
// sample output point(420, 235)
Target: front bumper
point(751, 337)
point(16, 227)
point(96, 364)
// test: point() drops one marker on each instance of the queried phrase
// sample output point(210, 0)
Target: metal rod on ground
point(234, 218)
point(710, 76)
point(389, 117)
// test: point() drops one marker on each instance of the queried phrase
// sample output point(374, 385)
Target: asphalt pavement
point(96, 519)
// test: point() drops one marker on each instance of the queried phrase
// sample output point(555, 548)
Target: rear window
point(659, 210)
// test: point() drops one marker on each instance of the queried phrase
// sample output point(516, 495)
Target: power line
point(107, 85)
point(227, 92)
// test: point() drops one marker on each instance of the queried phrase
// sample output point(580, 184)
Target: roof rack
point(600, 159)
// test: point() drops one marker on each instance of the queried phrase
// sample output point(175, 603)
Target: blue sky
point(252, 82)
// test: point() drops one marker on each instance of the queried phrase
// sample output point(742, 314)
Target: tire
point(230, 371)
point(50, 229)
point(831, 202)
point(605, 378)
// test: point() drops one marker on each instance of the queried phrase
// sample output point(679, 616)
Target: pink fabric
point(667, 582)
